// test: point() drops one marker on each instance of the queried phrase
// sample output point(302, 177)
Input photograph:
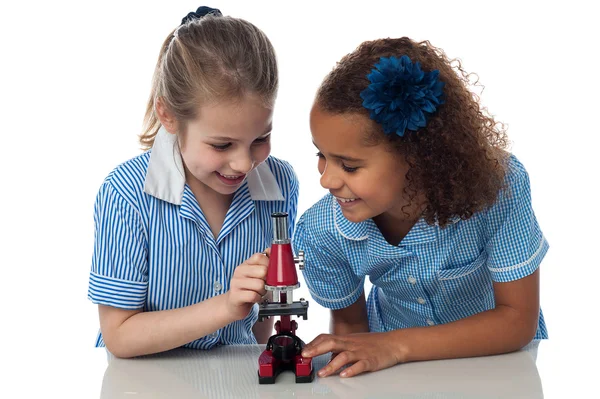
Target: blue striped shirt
point(154, 250)
point(435, 275)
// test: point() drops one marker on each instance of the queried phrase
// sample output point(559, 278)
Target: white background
point(73, 88)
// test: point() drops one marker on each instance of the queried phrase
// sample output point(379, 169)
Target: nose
point(329, 179)
point(242, 162)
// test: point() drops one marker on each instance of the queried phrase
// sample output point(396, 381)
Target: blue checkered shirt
point(435, 275)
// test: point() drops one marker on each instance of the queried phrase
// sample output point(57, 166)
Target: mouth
point(230, 180)
point(346, 202)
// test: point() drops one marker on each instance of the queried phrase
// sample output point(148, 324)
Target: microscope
point(283, 351)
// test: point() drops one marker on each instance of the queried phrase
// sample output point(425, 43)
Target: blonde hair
point(207, 60)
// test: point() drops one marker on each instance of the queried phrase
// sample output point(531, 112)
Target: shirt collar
point(420, 233)
point(165, 178)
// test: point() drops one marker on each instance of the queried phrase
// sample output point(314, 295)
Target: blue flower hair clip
point(400, 94)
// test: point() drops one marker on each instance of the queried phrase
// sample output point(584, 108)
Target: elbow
point(119, 353)
point(120, 337)
point(528, 332)
point(529, 326)
point(523, 337)
point(525, 326)
point(117, 348)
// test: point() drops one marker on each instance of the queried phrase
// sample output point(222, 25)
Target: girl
point(425, 201)
point(179, 230)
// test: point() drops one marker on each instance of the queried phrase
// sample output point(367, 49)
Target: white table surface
point(231, 372)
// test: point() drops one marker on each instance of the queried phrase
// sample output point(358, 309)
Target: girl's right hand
point(247, 286)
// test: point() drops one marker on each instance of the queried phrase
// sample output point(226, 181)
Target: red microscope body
point(284, 348)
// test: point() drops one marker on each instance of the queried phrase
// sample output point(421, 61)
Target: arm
point(515, 248)
point(264, 329)
point(129, 333)
point(352, 319)
point(506, 328)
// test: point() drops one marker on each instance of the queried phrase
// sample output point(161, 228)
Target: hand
point(247, 286)
point(365, 351)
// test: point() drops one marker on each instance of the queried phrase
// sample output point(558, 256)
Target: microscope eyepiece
point(280, 228)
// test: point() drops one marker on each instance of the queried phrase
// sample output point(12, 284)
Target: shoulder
point(319, 219)
point(516, 173)
point(514, 199)
point(127, 179)
point(323, 207)
point(516, 183)
point(323, 228)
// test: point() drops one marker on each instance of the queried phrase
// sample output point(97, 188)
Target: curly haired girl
point(425, 199)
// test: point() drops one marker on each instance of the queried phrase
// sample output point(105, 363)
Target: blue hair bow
point(400, 94)
point(200, 12)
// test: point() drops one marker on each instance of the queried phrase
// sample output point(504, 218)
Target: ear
point(165, 116)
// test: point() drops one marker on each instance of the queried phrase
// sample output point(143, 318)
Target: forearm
point(340, 326)
point(495, 331)
point(350, 320)
point(264, 329)
point(152, 332)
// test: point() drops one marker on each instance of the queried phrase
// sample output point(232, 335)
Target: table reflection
point(231, 372)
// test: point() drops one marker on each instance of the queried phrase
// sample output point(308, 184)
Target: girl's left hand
point(365, 351)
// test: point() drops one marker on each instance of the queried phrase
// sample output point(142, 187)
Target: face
point(224, 143)
point(367, 181)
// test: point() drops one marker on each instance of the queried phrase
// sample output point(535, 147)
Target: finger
point(357, 368)
point(251, 284)
point(316, 341)
point(327, 344)
point(337, 363)
point(258, 259)
point(247, 296)
point(258, 286)
point(267, 252)
point(252, 271)
point(251, 263)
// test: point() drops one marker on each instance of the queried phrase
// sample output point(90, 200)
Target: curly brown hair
point(458, 161)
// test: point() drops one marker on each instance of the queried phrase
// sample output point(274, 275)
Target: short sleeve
point(328, 275)
point(516, 245)
point(119, 273)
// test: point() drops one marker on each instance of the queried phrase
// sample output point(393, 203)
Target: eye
point(320, 154)
point(349, 169)
point(221, 147)
point(262, 140)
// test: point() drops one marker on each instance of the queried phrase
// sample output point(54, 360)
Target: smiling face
point(367, 180)
point(224, 143)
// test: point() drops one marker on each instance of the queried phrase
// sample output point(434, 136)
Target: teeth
point(229, 177)
point(346, 199)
